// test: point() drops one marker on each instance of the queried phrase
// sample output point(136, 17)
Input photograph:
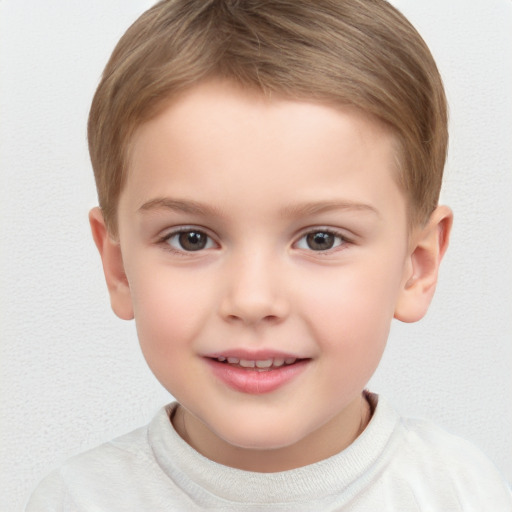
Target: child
point(268, 176)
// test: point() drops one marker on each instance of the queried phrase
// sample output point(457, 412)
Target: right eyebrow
point(312, 208)
point(180, 205)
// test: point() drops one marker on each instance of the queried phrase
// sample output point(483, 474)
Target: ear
point(113, 268)
point(428, 245)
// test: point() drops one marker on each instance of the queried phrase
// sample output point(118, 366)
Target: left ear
point(113, 267)
point(428, 245)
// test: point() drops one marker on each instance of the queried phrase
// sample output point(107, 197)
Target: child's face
point(262, 230)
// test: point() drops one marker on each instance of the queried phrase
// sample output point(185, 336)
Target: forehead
point(207, 104)
point(220, 138)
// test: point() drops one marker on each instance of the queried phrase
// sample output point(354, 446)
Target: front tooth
point(278, 361)
point(233, 360)
point(290, 360)
point(221, 359)
point(247, 364)
point(264, 364)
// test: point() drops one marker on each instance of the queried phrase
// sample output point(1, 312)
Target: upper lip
point(253, 355)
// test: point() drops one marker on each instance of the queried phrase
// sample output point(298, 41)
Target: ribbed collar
point(345, 473)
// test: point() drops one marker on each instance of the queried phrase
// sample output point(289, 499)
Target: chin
point(260, 439)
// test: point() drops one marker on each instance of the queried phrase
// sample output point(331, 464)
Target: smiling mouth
point(260, 365)
point(254, 373)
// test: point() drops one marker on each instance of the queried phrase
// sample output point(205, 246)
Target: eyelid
point(336, 232)
point(171, 232)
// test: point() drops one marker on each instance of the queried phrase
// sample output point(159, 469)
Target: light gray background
point(72, 375)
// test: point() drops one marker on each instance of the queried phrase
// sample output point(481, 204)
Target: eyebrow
point(188, 206)
point(313, 208)
point(296, 210)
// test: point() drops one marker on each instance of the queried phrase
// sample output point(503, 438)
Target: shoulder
point(429, 442)
point(96, 474)
point(429, 457)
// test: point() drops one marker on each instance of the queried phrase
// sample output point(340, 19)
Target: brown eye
point(193, 240)
point(190, 241)
point(320, 241)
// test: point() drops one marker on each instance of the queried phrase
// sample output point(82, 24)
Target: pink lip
point(253, 355)
point(252, 381)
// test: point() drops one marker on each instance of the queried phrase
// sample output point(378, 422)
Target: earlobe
point(428, 246)
point(113, 268)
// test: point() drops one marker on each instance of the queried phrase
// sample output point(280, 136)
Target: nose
point(254, 291)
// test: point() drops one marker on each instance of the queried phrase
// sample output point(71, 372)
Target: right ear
point(113, 268)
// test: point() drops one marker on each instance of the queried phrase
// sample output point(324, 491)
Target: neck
point(331, 438)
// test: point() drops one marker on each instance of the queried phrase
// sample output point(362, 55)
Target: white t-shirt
point(395, 465)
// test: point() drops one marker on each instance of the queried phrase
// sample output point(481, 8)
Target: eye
point(321, 240)
point(189, 240)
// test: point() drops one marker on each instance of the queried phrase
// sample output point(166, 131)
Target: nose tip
point(252, 295)
point(251, 313)
point(248, 308)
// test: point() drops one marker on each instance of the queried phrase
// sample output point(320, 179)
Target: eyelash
point(340, 240)
point(166, 240)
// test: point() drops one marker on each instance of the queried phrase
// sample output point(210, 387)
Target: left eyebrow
point(313, 208)
point(178, 205)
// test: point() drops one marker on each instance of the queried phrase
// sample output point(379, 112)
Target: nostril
point(249, 308)
point(268, 319)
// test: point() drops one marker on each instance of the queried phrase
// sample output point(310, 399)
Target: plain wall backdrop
point(72, 375)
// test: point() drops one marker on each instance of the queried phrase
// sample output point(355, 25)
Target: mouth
point(260, 365)
point(256, 373)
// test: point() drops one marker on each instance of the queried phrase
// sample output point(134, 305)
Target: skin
point(255, 176)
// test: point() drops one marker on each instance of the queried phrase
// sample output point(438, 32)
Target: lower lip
point(256, 382)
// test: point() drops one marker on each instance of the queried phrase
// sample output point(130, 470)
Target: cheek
point(351, 311)
point(169, 309)
point(351, 335)
point(169, 314)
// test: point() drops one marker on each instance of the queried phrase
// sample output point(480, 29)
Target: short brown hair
point(362, 53)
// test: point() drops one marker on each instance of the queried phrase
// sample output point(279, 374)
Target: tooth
point(233, 360)
point(247, 364)
point(290, 360)
point(264, 364)
point(221, 359)
point(278, 361)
